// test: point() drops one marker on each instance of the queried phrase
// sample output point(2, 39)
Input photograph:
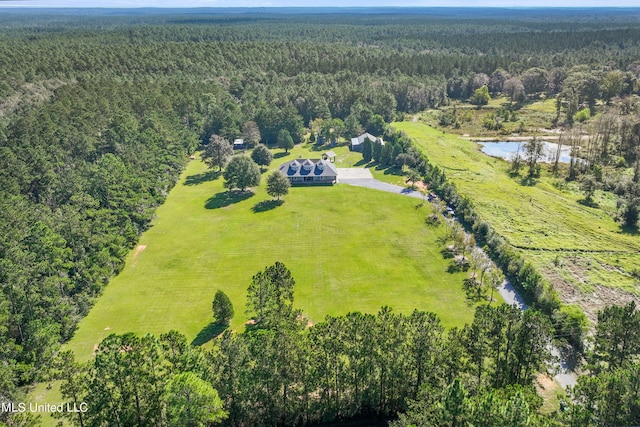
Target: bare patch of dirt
point(548, 390)
point(590, 302)
point(418, 185)
point(545, 382)
point(136, 252)
point(611, 268)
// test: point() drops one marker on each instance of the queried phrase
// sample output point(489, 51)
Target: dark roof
point(308, 167)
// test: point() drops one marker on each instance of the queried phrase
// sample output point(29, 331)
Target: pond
point(507, 149)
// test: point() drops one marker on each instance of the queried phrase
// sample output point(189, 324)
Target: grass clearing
point(532, 116)
point(348, 248)
point(580, 249)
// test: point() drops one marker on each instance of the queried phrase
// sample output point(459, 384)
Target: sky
point(317, 3)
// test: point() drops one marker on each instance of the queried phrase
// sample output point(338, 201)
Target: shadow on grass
point(589, 203)
point(202, 177)
point(360, 162)
point(390, 170)
point(447, 253)
point(280, 155)
point(209, 332)
point(322, 147)
point(627, 229)
point(227, 198)
point(266, 205)
point(528, 181)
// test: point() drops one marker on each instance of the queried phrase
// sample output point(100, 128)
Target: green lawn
point(348, 248)
point(574, 245)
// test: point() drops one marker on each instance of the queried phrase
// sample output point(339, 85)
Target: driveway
point(361, 177)
point(353, 173)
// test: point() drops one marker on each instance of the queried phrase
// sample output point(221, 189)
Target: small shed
point(329, 155)
point(238, 144)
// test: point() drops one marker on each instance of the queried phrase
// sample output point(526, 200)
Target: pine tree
point(222, 308)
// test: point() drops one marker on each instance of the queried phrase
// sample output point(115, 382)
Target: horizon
point(314, 4)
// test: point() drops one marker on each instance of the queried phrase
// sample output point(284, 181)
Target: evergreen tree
point(270, 295)
point(284, 140)
point(367, 150)
point(377, 151)
point(386, 157)
point(192, 402)
point(222, 308)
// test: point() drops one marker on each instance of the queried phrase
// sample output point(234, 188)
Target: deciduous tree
point(241, 172)
point(251, 133)
point(217, 152)
point(277, 185)
point(261, 155)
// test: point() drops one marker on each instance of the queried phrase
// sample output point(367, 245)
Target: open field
point(348, 248)
point(581, 250)
point(533, 116)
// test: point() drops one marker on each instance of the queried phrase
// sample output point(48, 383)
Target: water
point(507, 149)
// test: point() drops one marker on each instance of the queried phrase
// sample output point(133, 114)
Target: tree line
point(282, 371)
point(404, 368)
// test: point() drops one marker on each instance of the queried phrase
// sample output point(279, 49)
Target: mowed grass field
point(580, 249)
point(348, 248)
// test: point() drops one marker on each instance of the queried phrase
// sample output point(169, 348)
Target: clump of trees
point(608, 394)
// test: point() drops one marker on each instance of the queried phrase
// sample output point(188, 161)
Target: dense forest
point(100, 110)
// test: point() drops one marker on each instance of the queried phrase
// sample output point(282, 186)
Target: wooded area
point(99, 114)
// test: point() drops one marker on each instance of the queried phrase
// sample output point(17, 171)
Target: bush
point(571, 323)
point(583, 115)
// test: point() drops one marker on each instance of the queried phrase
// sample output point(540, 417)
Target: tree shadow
point(458, 264)
point(628, 229)
point(280, 155)
point(226, 198)
point(589, 203)
point(392, 170)
point(266, 205)
point(202, 177)
point(209, 332)
point(321, 147)
point(448, 253)
point(360, 162)
point(474, 291)
point(528, 181)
